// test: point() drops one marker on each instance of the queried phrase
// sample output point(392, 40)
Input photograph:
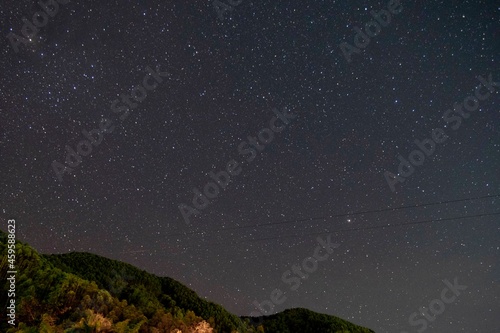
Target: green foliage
point(82, 292)
point(144, 290)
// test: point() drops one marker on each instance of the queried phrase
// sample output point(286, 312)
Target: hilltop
point(83, 292)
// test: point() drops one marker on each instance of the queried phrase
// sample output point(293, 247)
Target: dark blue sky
point(215, 85)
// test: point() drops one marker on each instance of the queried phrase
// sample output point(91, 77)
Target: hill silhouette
point(83, 292)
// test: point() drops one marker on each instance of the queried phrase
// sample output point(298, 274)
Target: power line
point(382, 226)
point(340, 215)
point(343, 230)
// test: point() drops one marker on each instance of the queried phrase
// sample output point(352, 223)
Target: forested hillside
point(82, 292)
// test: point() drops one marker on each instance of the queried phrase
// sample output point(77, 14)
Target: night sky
point(216, 80)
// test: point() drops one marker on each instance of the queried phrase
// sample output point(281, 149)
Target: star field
point(323, 174)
